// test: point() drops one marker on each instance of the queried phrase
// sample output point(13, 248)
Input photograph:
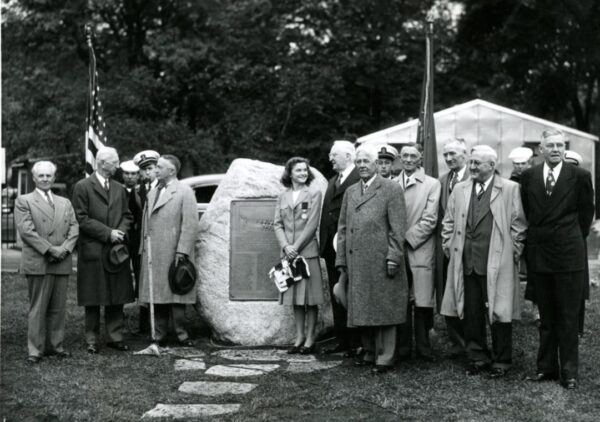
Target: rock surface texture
point(249, 323)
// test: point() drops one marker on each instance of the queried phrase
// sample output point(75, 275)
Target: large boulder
point(249, 323)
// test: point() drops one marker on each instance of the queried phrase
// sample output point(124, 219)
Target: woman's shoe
point(295, 350)
point(307, 350)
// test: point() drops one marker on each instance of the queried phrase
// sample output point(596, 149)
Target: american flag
point(95, 134)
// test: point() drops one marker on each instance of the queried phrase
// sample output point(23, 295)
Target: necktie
point(338, 181)
point(364, 188)
point(49, 199)
point(481, 189)
point(550, 182)
point(106, 185)
point(453, 180)
point(159, 189)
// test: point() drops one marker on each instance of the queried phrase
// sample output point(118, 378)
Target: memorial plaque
point(253, 250)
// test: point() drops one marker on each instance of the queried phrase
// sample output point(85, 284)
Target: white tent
point(481, 122)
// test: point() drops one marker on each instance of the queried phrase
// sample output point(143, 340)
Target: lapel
point(361, 199)
point(43, 205)
point(113, 191)
point(561, 188)
point(59, 210)
point(166, 196)
point(302, 196)
point(466, 192)
point(98, 187)
point(495, 206)
point(492, 187)
point(349, 181)
point(417, 176)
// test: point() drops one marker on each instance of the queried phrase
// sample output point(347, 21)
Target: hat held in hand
point(114, 257)
point(182, 276)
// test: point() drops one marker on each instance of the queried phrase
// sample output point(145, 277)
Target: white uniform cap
point(520, 155)
point(572, 155)
point(144, 158)
point(387, 151)
point(129, 167)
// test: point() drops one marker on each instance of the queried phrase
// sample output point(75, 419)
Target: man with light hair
point(558, 199)
point(455, 156)
point(49, 231)
point(483, 236)
point(341, 156)
point(103, 274)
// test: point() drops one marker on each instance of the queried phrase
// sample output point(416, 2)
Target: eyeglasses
point(478, 163)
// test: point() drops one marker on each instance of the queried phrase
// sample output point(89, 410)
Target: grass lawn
point(115, 386)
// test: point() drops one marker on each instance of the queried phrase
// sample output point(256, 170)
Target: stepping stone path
point(192, 359)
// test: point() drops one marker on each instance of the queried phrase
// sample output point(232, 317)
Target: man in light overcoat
point(455, 156)
point(422, 197)
point(371, 238)
point(102, 208)
point(483, 235)
point(49, 230)
point(169, 229)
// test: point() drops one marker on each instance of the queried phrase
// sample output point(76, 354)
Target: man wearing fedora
point(169, 228)
point(103, 274)
point(49, 230)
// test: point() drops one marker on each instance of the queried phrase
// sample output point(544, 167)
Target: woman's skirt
point(308, 291)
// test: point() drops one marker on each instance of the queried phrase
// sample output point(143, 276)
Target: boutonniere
point(304, 207)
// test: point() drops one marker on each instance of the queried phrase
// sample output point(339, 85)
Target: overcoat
point(296, 224)
point(422, 197)
point(42, 226)
point(506, 245)
point(98, 213)
point(439, 253)
point(171, 226)
point(371, 231)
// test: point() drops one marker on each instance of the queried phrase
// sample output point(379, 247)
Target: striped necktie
point(550, 182)
point(49, 199)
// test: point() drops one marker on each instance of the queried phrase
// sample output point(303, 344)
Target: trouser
point(347, 337)
point(379, 343)
point(144, 319)
point(47, 309)
point(454, 326)
point(163, 313)
point(113, 320)
point(559, 299)
point(582, 316)
point(475, 326)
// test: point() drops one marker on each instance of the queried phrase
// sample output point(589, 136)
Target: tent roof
point(471, 104)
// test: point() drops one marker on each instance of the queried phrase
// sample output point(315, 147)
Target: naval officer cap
point(387, 151)
point(520, 155)
point(573, 158)
point(145, 158)
point(129, 167)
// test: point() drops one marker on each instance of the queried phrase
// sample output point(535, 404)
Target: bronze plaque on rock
point(253, 250)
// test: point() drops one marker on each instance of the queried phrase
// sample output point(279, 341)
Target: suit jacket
point(506, 244)
point(42, 226)
point(440, 261)
point(371, 231)
point(332, 205)
point(137, 211)
point(171, 226)
point(98, 213)
point(296, 224)
point(559, 224)
point(422, 197)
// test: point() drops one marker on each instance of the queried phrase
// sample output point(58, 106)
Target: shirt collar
point(346, 172)
point(555, 171)
point(101, 179)
point(487, 182)
point(41, 192)
point(461, 173)
point(369, 182)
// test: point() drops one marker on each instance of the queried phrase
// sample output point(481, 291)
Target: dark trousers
point(144, 319)
point(163, 313)
point(454, 326)
point(423, 322)
point(475, 326)
point(347, 337)
point(113, 320)
point(559, 299)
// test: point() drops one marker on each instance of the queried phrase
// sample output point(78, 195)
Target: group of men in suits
point(112, 225)
point(456, 243)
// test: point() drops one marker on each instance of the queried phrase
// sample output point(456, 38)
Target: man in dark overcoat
point(371, 236)
point(342, 156)
point(102, 209)
point(455, 156)
point(558, 200)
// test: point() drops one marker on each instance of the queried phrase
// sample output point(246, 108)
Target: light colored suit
point(41, 227)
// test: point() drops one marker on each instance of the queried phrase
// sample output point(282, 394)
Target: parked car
point(204, 187)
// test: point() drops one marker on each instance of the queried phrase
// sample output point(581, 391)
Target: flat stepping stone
point(184, 411)
point(185, 352)
point(207, 388)
point(306, 367)
point(262, 355)
point(241, 370)
point(190, 364)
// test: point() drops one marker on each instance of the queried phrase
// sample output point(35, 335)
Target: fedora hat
point(339, 290)
point(182, 276)
point(114, 257)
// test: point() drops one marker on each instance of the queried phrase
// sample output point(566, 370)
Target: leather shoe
point(92, 349)
point(62, 354)
point(541, 377)
point(336, 349)
point(498, 373)
point(359, 363)
point(294, 350)
point(570, 384)
point(118, 345)
point(307, 350)
point(33, 360)
point(380, 369)
point(186, 343)
point(476, 368)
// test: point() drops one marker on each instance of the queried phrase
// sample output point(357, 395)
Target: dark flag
point(95, 134)
point(426, 128)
